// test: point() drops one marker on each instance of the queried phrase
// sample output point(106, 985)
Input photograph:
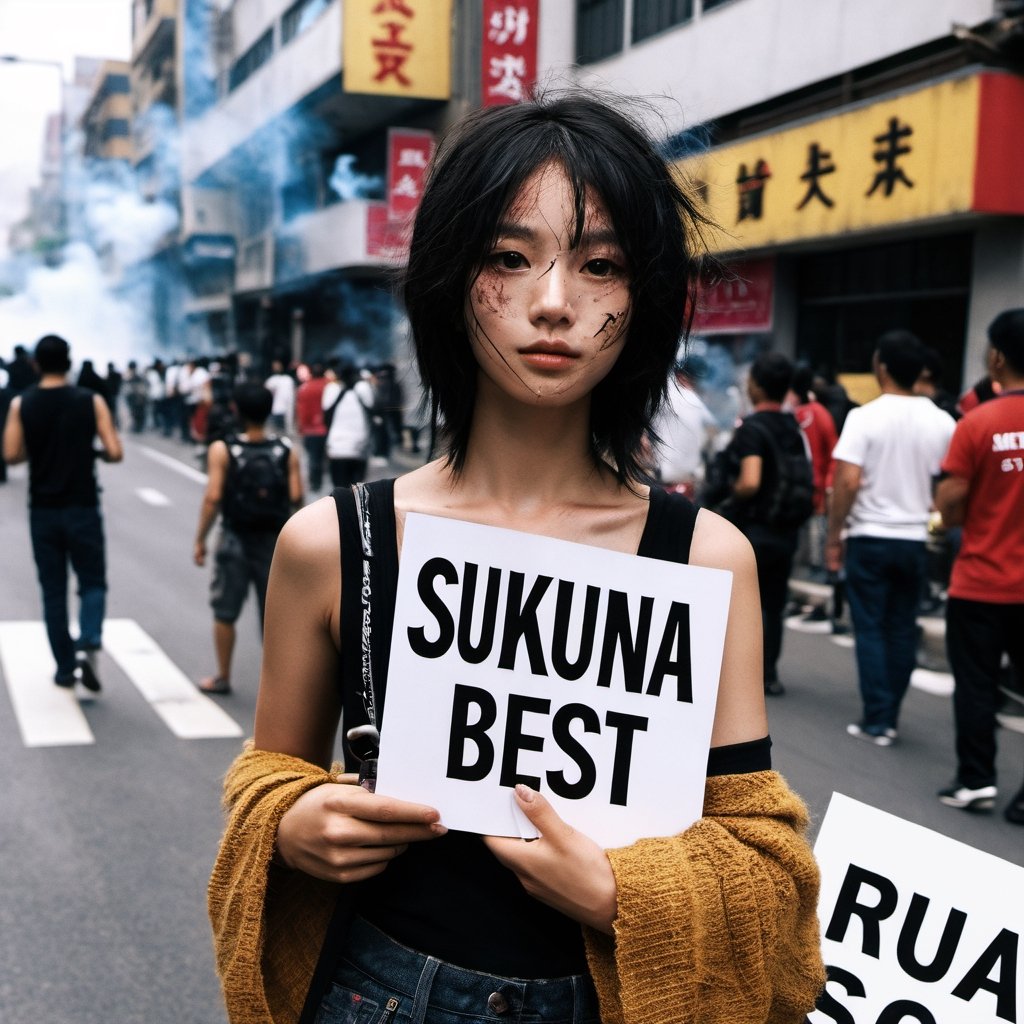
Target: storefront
point(904, 212)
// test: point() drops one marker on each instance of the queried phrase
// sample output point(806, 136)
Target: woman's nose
point(552, 300)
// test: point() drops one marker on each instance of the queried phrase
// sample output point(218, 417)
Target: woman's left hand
point(564, 868)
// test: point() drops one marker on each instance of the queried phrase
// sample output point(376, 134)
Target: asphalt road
point(106, 846)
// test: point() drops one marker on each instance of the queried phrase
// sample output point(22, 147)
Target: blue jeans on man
point(883, 587)
point(59, 536)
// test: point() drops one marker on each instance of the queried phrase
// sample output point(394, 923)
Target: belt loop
point(421, 1001)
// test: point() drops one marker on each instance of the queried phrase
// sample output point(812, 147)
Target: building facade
point(859, 160)
point(107, 118)
point(286, 236)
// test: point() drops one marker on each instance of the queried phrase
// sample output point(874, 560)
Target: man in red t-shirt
point(309, 420)
point(819, 428)
point(984, 490)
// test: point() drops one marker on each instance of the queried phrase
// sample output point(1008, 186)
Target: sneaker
point(880, 736)
point(1014, 812)
point(983, 799)
point(85, 675)
point(65, 682)
point(773, 688)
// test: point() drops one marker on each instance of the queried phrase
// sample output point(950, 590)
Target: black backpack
point(792, 502)
point(256, 488)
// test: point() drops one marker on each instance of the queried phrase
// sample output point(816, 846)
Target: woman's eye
point(600, 268)
point(509, 260)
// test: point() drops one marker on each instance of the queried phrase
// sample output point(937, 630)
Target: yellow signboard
point(907, 158)
point(397, 47)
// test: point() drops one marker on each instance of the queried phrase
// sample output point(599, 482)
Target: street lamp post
point(7, 58)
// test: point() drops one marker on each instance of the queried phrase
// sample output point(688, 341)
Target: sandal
point(214, 684)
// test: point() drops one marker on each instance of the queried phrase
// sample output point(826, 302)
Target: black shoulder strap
point(668, 532)
point(383, 568)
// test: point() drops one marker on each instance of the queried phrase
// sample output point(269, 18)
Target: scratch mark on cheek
point(609, 320)
point(613, 336)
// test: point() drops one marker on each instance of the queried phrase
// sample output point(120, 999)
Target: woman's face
point(546, 322)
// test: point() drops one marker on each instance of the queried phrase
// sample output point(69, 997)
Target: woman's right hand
point(343, 833)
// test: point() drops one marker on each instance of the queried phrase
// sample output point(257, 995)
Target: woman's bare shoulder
point(718, 544)
point(310, 537)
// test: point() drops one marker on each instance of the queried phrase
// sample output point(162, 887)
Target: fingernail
point(438, 829)
point(525, 793)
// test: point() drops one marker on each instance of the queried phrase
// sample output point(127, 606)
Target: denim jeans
point(977, 634)
point(883, 586)
point(379, 981)
point(60, 535)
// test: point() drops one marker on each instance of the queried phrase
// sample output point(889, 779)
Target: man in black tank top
point(53, 426)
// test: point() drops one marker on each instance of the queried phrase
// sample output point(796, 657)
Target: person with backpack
point(254, 484)
point(772, 494)
point(348, 411)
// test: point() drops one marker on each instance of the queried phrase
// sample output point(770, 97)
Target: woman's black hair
point(476, 174)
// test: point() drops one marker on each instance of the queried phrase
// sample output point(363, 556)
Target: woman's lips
point(548, 355)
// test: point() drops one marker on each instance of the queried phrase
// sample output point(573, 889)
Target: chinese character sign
point(409, 153)
point(509, 67)
point(398, 47)
point(947, 149)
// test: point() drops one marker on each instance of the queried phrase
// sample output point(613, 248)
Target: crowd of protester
point(862, 517)
point(909, 505)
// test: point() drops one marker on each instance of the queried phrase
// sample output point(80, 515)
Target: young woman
point(548, 277)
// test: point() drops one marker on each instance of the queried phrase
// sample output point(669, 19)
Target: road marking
point(172, 463)
point(188, 713)
point(47, 715)
point(151, 496)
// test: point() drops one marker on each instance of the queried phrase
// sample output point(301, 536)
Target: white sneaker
point(983, 799)
point(882, 738)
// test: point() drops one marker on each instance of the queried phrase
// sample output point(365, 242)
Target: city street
point(109, 814)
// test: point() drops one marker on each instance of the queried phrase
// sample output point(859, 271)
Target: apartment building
point(860, 159)
point(285, 240)
point(106, 120)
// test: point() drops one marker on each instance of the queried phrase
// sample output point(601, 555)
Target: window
point(115, 85)
point(300, 16)
point(598, 29)
point(115, 128)
point(653, 16)
point(254, 58)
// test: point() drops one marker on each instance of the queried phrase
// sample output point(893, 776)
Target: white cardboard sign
point(587, 674)
point(917, 928)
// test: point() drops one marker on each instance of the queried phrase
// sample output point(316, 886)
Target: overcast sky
point(54, 30)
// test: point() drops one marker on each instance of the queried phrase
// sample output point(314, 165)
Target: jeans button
point(497, 1003)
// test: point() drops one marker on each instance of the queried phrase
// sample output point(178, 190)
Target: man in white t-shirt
point(684, 428)
point(282, 386)
point(886, 460)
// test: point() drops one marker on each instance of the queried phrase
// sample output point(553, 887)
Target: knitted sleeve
point(717, 925)
point(268, 923)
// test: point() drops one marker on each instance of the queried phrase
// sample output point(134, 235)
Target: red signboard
point(385, 238)
point(740, 304)
point(409, 153)
point(509, 51)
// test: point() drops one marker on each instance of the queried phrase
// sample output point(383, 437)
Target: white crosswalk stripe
point(47, 715)
point(151, 496)
point(50, 716)
point(187, 712)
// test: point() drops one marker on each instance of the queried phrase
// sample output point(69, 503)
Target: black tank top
point(449, 897)
point(59, 426)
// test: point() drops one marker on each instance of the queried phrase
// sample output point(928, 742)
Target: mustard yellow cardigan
point(715, 926)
